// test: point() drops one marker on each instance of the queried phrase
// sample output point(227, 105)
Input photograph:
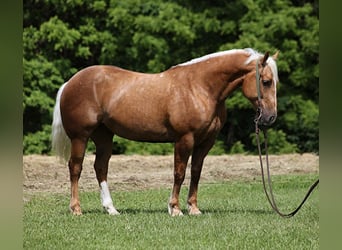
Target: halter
point(257, 76)
point(257, 80)
point(269, 194)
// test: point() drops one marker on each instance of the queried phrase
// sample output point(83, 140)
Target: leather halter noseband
point(269, 195)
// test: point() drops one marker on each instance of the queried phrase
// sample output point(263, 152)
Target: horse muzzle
point(265, 118)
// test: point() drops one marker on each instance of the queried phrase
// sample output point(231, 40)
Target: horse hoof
point(76, 211)
point(111, 210)
point(194, 211)
point(174, 211)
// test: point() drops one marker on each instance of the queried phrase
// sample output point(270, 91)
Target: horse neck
point(222, 75)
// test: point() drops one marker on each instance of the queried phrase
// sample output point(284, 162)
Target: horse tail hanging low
point(60, 141)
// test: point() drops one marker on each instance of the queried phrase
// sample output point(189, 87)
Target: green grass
point(236, 215)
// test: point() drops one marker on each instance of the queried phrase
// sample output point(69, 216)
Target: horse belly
point(139, 128)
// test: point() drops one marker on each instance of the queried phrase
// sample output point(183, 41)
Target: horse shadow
point(134, 211)
point(236, 211)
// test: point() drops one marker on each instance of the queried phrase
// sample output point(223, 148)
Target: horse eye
point(267, 83)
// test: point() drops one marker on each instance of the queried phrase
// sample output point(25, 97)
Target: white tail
point(60, 141)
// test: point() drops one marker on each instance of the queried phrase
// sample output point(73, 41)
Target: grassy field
point(236, 215)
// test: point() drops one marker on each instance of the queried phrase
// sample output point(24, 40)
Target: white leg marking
point(106, 200)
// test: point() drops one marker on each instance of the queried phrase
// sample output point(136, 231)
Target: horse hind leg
point(75, 168)
point(102, 138)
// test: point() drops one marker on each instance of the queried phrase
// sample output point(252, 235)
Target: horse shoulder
point(190, 110)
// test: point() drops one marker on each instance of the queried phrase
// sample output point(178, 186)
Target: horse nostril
point(272, 118)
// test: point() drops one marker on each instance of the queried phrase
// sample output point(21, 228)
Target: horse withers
point(184, 105)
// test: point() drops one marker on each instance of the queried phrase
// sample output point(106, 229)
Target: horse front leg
point(183, 149)
point(198, 155)
point(75, 169)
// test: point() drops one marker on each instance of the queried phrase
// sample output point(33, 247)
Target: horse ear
point(267, 54)
point(275, 56)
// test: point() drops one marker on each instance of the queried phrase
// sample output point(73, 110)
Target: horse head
point(260, 87)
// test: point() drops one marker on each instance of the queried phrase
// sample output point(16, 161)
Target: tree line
point(62, 37)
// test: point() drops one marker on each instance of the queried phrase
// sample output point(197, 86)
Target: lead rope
point(269, 195)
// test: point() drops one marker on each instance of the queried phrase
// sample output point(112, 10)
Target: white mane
point(270, 61)
point(206, 57)
point(253, 55)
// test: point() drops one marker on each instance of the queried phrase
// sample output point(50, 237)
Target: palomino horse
point(184, 105)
